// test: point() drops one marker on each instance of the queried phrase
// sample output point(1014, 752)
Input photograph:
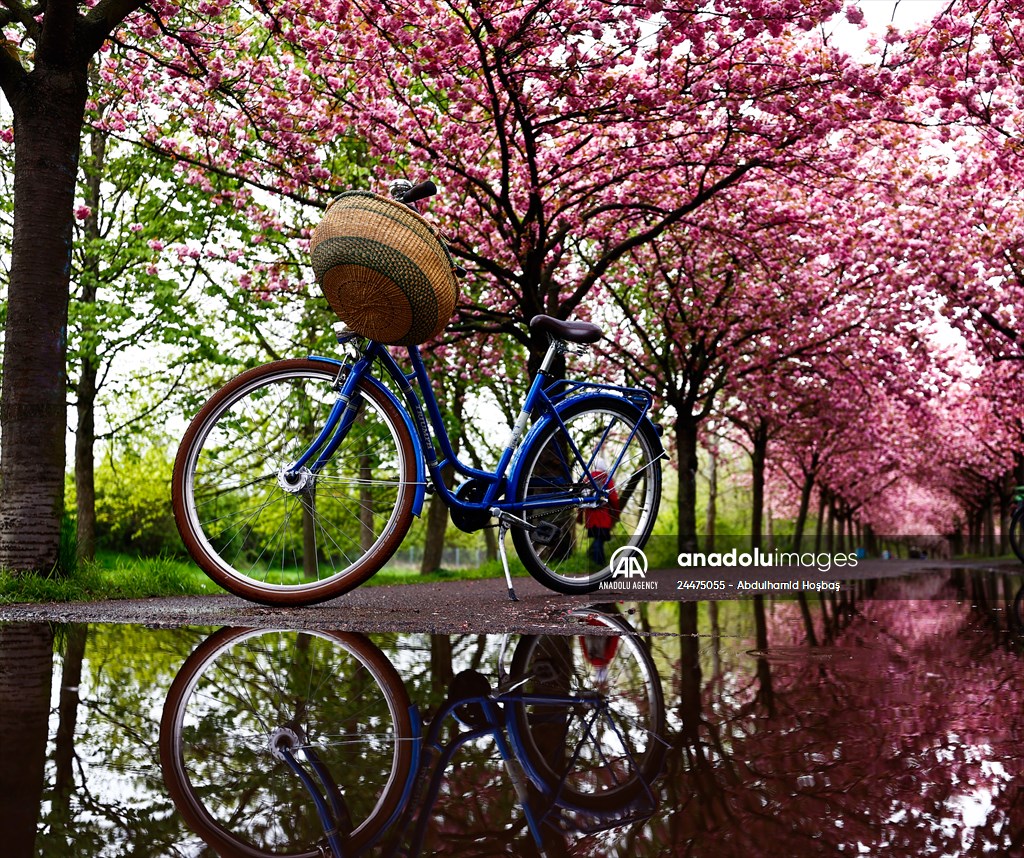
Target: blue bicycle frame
point(431, 752)
point(543, 399)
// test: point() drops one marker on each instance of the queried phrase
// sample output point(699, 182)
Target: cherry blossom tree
point(566, 134)
point(780, 193)
point(777, 286)
point(569, 134)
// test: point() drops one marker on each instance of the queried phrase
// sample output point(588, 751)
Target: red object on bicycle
point(604, 516)
point(598, 650)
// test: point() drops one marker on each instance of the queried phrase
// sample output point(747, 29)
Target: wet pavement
point(480, 606)
point(885, 719)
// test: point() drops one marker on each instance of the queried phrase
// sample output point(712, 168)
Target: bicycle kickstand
point(503, 527)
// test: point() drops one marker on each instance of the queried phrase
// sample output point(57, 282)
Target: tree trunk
point(689, 672)
point(491, 543)
point(437, 524)
point(437, 511)
point(85, 466)
point(26, 667)
point(441, 670)
point(686, 450)
point(765, 694)
point(989, 529)
point(85, 389)
point(805, 612)
point(67, 721)
point(712, 515)
point(367, 529)
point(759, 456)
point(1005, 511)
point(805, 503)
point(48, 107)
point(870, 543)
point(820, 523)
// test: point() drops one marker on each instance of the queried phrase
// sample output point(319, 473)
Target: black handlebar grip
point(420, 192)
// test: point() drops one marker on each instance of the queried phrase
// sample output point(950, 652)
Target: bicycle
point(1016, 529)
point(299, 479)
point(306, 743)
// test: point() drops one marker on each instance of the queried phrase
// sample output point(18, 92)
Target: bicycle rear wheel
point(329, 697)
point(600, 428)
point(292, 539)
point(605, 745)
point(1017, 532)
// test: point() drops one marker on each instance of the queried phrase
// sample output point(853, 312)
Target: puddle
point(870, 725)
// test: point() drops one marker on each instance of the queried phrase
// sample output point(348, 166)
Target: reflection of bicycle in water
point(306, 743)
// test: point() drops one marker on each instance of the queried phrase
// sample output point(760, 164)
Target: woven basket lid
point(383, 269)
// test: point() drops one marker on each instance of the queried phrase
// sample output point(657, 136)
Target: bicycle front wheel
point(243, 699)
point(292, 539)
point(605, 429)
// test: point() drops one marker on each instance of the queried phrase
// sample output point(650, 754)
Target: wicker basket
point(383, 269)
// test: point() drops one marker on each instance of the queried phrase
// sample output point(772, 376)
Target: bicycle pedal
point(546, 533)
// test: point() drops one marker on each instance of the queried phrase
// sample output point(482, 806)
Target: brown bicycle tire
point(237, 582)
point(190, 805)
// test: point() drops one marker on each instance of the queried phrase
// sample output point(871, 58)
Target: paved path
point(451, 606)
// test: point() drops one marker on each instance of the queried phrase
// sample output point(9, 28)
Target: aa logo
point(629, 562)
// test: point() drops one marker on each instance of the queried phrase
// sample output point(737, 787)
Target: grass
point(110, 576)
point(121, 576)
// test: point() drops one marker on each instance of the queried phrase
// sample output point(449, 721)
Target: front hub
point(294, 482)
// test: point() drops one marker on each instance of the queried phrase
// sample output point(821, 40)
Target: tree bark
point(759, 456)
point(820, 524)
point(85, 465)
point(686, 451)
point(67, 720)
point(712, 516)
point(26, 668)
point(437, 525)
point(805, 502)
point(989, 528)
point(49, 107)
point(86, 389)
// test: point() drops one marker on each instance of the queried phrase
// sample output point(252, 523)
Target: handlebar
point(405, 192)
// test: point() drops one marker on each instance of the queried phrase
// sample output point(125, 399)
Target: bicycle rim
point(1017, 532)
point(551, 470)
point(284, 540)
point(242, 693)
point(603, 753)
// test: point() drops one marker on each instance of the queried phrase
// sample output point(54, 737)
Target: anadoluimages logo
point(629, 562)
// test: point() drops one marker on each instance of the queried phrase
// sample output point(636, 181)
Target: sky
point(878, 14)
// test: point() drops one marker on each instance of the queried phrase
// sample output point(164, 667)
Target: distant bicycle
point(306, 744)
point(1017, 523)
point(298, 480)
